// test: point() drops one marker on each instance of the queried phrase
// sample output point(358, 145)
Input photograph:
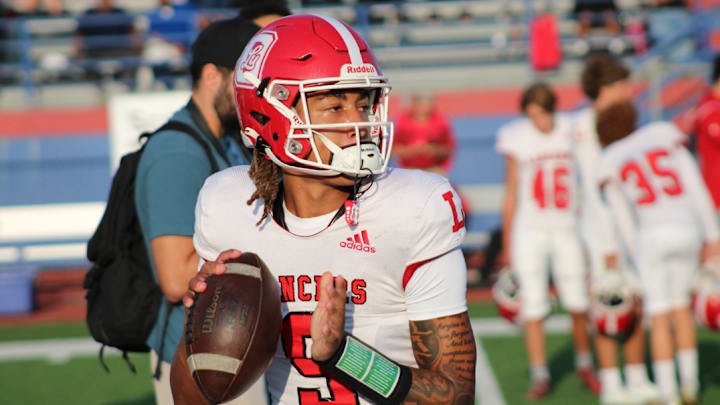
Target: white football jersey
point(407, 217)
point(546, 195)
point(586, 149)
point(658, 177)
point(595, 222)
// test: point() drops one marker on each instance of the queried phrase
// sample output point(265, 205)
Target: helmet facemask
point(369, 155)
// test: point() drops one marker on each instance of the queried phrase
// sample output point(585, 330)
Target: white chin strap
point(354, 157)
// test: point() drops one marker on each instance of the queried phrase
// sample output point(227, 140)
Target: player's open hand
point(328, 321)
point(197, 284)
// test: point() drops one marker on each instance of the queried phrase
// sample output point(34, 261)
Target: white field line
point(487, 389)
point(56, 350)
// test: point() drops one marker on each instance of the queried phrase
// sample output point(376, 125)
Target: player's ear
point(211, 76)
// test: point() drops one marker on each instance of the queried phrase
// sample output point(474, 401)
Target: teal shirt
point(172, 169)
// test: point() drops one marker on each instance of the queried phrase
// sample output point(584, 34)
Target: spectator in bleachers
point(173, 21)
point(707, 133)
point(596, 13)
point(424, 138)
point(6, 32)
point(239, 4)
point(172, 27)
point(107, 32)
point(44, 8)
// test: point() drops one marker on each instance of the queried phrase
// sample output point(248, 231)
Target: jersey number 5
point(648, 195)
point(296, 339)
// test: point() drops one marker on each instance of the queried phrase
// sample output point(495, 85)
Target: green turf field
point(81, 380)
point(506, 354)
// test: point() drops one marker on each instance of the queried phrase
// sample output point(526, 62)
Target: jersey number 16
point(558, 190)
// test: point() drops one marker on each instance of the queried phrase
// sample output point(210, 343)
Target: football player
point(539, 226)
point(366, 257)
point(604, 81)
point(666, 219)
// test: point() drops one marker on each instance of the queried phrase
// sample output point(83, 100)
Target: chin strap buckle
point(352, 214)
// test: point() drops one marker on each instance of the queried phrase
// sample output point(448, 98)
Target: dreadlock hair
point(267, 176)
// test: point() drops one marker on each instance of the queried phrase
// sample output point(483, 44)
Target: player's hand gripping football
point(197, 283)
point(328, 321)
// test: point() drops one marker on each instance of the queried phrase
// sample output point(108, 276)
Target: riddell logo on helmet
point(358, 70)
point(359, 242)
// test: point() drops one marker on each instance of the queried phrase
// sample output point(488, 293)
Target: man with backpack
point(173, 168)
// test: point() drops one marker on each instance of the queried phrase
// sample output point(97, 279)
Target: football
point(233, 328)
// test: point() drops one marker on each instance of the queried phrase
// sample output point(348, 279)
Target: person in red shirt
point(707, 132)
point(424, 138)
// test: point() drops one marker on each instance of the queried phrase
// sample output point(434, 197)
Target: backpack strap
point(158, 370)
point(183, 127)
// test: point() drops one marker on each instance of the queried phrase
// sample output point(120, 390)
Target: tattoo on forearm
point(445, 352)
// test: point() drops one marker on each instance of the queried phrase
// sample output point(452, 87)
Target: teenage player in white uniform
point(317, 203)
point(604, 81)
point(539, 228)
point(666, 218)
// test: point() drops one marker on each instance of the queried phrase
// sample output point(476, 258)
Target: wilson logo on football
point(359, 242)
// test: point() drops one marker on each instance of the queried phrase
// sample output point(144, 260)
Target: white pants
point(595, 250)
point(532, 251)
point(256, 395)
point(668, 259)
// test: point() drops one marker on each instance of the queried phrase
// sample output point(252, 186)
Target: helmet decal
point(253, 58)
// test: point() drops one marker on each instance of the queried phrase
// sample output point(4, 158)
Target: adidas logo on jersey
point(359, 242)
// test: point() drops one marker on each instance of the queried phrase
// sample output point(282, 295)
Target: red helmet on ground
point(297, 55)
point(613, 308)
point(506, 295)
point(706, 299)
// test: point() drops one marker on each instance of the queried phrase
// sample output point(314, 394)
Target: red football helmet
point(706, 299)
point(506, 296)
point(613, 308)
point(297, 55)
